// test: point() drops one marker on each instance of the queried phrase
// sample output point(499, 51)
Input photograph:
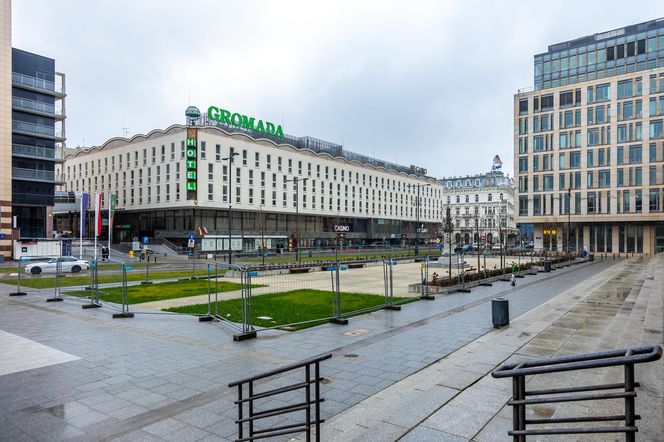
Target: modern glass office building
point(37, 137)
point(633, 48)
point(588, 143)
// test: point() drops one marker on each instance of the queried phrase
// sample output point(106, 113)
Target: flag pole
point(80, 228)
point(96, 221)
point(109, 223)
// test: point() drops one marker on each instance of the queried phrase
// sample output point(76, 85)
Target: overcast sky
point(425, 83)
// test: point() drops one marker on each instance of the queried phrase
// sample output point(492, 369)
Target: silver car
point(67, 264)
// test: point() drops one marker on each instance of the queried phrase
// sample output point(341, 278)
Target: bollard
point(18, 291)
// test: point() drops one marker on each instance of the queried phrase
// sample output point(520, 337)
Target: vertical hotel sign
point(191, 145)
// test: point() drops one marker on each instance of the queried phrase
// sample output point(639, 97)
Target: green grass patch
point(159, 292)
point(290, 307)
point(48, 280)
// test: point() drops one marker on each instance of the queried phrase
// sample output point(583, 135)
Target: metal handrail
point(306, 405)
point(610, 358)
point(625, 357)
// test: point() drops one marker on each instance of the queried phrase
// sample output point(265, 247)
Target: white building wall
point(375, 192)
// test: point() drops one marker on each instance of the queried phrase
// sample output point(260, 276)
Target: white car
point(67, 264)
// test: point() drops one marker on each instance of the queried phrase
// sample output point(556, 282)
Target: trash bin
point(547, 266)
point(591, 257)
point(500, 312)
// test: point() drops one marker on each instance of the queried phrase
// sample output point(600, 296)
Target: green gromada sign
point(243, 121)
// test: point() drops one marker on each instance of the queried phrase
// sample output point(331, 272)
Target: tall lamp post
point(297, 180)
point(230, 202)
point(417, 216)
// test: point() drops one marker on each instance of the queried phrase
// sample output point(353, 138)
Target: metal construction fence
point(251, 299)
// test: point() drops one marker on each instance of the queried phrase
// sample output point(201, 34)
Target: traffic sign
point(191, 236)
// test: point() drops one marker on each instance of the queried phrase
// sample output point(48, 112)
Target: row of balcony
point(37, 83)
point(55, 154)
point(37, 106)
point(48, 176)
point(37, 129)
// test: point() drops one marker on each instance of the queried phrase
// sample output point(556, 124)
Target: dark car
point(458, 248)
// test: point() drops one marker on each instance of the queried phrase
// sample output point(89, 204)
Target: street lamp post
point(296, 180)
point(230, 202)
point(569, 217)
point(417, 216)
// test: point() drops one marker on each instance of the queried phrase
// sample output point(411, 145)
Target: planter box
point(357, 265)
point(300, 270)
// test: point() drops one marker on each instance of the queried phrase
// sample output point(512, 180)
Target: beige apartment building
point(589, 143)
point(5, 129)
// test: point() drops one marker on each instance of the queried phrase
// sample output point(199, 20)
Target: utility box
point(500, 312)
point(547, 266)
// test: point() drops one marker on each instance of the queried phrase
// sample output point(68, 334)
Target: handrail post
point(317, 387)
point(251, 408)
point(239, 412)
point(307, 378)
point(630, 420)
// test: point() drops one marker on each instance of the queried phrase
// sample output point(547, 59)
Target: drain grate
point(351, 355)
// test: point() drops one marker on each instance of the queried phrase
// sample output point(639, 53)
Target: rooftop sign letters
point(191, 145)
point(245, 122)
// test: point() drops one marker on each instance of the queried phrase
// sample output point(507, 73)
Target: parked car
point(495, 247)
point(67, 264)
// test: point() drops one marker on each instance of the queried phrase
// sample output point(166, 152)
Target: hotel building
point(283, 187)
point(589, 143)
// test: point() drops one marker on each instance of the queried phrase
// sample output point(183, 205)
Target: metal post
point(216, 288)
point(125, 300)
point(417, 223)
point(317, 392)
point(630, 418)
point(57, 291)
point(208, 317)
point(230, 208)
point(94, 286)
point(18, 291)
point(193, 264)
point(147, 268)
point(251, 408)
point(307, 379)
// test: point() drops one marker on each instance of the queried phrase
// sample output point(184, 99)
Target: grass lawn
point(289, 307)
point(48, 280)
point(158, 292)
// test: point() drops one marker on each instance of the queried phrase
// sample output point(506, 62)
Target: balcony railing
point(38, 152)
point(33, 174)
point(37, 83)
point(37, 129)
point(24, 103)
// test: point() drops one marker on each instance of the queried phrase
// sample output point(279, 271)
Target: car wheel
point(36, 270)
point(75, 269)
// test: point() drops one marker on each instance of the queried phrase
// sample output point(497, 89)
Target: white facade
point(491, 197)
point(148, 172)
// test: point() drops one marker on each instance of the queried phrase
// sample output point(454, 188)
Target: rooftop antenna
point(125, 129)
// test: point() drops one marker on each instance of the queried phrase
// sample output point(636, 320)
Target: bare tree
point(448, 229)
point(477, 228)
